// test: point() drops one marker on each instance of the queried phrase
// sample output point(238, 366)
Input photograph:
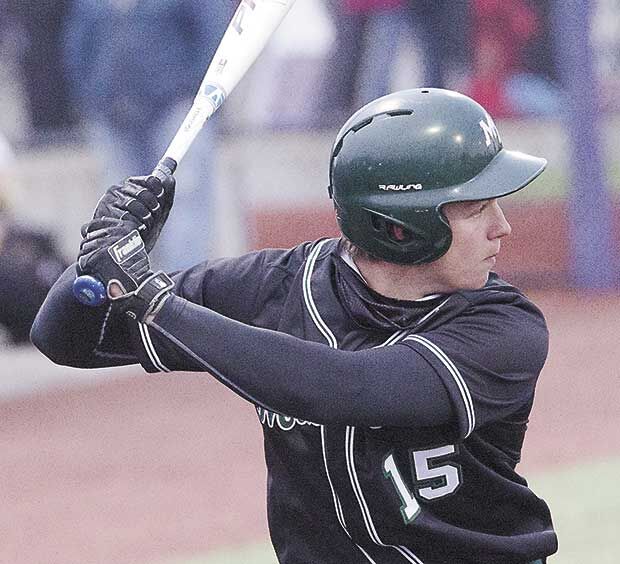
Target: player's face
point(477, 229)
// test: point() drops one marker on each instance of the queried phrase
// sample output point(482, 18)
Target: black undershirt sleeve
point(392, 385)
point(72, 334)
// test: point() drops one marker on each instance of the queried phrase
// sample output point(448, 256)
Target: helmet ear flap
point(394, 232)
point(427, 239)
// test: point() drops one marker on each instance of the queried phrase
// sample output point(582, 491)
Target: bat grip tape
point(164, 168)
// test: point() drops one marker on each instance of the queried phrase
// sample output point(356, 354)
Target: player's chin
point(475, 280)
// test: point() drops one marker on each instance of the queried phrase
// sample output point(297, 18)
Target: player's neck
point(401, 282)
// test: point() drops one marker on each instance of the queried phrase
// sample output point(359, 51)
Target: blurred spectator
point(369, 36)
point(135, 67)
point(361, 63)
point(29, 264)
point(512, 67)
point(39, 54)
point(442, 29)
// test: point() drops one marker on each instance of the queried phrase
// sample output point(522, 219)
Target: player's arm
point(272, 369)
point(481, 368)
point(72, 334)
point(383, 386)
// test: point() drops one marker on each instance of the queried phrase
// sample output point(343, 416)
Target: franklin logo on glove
point(126, 247)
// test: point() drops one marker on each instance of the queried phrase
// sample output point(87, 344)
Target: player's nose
point(500, 226)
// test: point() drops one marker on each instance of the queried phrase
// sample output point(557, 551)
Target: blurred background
point(111, 466)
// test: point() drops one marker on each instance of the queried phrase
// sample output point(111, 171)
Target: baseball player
point(392, 371)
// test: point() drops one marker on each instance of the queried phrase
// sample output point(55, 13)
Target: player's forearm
point(388, 386)
point(71, 334)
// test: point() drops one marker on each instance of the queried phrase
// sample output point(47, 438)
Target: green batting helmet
point(400, 158)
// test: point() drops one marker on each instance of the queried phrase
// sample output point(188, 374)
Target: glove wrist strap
point(149, 297)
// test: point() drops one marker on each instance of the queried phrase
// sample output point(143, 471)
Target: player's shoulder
point(293, 258)
point(501, 296)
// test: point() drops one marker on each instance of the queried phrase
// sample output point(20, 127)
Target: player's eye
point(479, 208)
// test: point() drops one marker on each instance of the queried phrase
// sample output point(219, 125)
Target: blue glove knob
point(89, 291)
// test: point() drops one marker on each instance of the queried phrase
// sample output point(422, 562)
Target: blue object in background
point(593, 260)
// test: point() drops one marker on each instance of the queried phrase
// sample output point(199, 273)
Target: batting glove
point(113, 251)
point(143, 200)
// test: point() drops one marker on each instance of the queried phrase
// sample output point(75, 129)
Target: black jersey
point(392, 428)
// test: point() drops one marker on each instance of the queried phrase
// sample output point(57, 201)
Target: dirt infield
point(143, 469)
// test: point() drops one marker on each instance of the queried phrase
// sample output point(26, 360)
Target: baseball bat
point(250, 28)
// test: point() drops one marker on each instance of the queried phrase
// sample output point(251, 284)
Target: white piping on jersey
point(337, 504)
point(456, 375)
point(357, 488)
point(150, 349)
point(393, 338)
point(309, 300)
point(432, 312)
point(333, 343)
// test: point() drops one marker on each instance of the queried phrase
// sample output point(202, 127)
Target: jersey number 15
point(441, 479)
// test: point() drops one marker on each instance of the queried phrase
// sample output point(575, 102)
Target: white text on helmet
point(491, 135)
point(400, 186)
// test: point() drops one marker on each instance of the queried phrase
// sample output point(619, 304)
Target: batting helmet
point(400, 158)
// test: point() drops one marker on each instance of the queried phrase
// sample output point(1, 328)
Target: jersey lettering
point(445, 479)
point(442, 479)
point(283, 422)
point(410, 508)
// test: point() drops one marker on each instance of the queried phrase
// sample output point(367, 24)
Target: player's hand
point(144, 200)
point(113, 252)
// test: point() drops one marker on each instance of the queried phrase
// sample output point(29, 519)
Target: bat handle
point(164, 168)
point(91, 291)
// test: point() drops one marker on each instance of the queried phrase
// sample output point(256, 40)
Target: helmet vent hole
point(399, 113)
point(426, 92)
point(337, 148)
point(361, 124)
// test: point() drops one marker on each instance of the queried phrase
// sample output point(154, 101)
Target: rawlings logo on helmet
point(398, 187)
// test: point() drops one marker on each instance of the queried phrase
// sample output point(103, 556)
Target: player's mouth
point(493, 257)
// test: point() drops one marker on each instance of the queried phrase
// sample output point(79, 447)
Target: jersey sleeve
point(488, 358)
point(249, 289)
point(242, 288)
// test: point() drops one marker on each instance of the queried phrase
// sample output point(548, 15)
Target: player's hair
point(357, 252)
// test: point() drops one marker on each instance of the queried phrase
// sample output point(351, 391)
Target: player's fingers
point(100, 223)
point(161, 189)
point(93, 241)
point(136, 211)
point(142, 194)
